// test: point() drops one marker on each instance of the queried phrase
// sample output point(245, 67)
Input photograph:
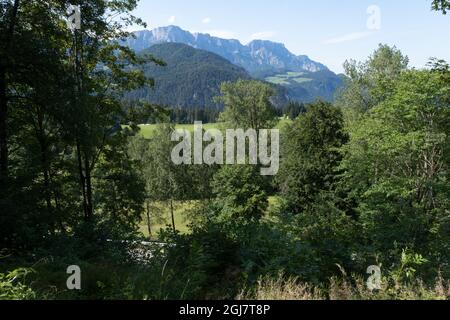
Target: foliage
point(121, 190)
point(247, 104)
point(294, 109)
point(362, 182)
point(240, 193)
point(60, 118)
point(206, 261)
point(441, 5)
point(370, 82)
point(191, 77)
point(310, 155)
point(165, 181)
point(189, 116)
point(12, 286)
point(396, 166)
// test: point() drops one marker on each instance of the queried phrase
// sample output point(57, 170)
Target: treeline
point(207, 115)
point(211, 115)
point(190, 115)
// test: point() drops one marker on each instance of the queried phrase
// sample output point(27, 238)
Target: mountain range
point(256, 57)
point(297, 77)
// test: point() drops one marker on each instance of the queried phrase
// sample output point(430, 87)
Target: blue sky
point(328, 31)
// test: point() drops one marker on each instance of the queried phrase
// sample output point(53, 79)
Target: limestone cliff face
point(255, 57)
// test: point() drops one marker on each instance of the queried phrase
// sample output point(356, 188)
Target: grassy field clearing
point(278, 80)
point(161, 218)
point(289, 78)
point(147, 130)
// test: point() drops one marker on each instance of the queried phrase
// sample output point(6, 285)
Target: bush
point(12, 286)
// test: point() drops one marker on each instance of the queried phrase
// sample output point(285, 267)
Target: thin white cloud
point(206, 20)
point(265, 35)
point(349, 37)
point(172, 19)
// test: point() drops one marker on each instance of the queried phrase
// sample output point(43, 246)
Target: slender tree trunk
point(82, 181)
point(47, 182)
point(173, 217)
point(56, 196)
point(45, 166)
point(149, 226)
point(88, 177)
point(59, 211)
point(85, 173)
point(44, 161)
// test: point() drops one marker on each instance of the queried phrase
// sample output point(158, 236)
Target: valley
point(194, 70)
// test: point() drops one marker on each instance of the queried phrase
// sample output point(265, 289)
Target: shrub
point(12, 286)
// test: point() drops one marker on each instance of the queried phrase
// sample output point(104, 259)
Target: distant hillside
point(257, 56)
point(191, 78)
point(301, 78)
point(306, 86)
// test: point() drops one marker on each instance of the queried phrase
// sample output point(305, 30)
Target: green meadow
point(148, 130)
point(161, 219)
point(288, 78)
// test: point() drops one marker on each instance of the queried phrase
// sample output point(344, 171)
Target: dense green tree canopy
point(60, 114)
point(310, 154)
point(247, 104)
point(441, 5)
point(370, 82)
point(396, 164)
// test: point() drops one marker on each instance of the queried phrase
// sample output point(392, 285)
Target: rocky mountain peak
point(256, 56)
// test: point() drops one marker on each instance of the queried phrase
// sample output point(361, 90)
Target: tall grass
point(282, 288)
